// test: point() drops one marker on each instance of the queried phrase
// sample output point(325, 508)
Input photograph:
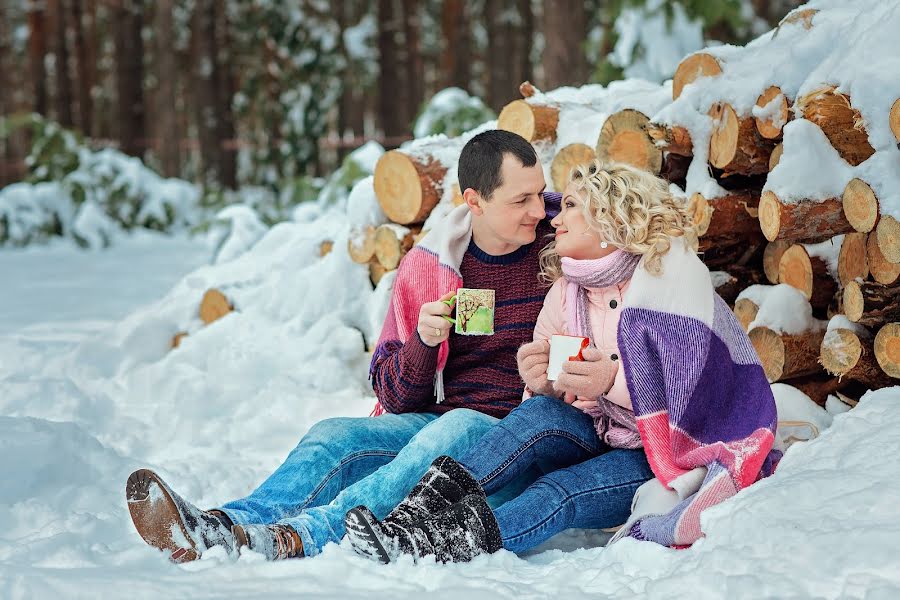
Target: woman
point(670, 387)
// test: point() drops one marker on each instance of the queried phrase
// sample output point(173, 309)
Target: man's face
point(515, 208)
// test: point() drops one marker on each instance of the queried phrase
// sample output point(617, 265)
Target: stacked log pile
point(840, 247)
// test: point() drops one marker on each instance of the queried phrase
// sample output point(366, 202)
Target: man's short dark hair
point(482, 158)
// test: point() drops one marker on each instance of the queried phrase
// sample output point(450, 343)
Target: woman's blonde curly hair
point(630, 209)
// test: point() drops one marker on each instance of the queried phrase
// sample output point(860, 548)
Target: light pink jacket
point(605, 308)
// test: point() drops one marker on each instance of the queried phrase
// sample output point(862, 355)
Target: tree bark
point(457, 55)
point(226, 87)
point(415, 66)
point(565, 29)
point(509, 30)
point(167, 132)
point(129, 50)
point(58, 10)
point(37, 51)
point(392, 121)
point(83, 71)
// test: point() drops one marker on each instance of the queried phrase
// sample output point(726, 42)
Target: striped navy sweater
point(481, 372)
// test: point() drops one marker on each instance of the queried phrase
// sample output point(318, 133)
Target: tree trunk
point(167, 134)
point(37, 51)
point(58, 10)
point(509, 24)
point(850, 356)
point(129, 50)
point(392, 121)
point(784, 356)
point(694, 66)
point(7, 103)
point(457, 54)
point(225, 91)
point(565, 29)
point(82, 69)
point(207, 89)
point(809, 274)
point(533, 122)
point(415, 66)
point(842, 124)
point(870, 303)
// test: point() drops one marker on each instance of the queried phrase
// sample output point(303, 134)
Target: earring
point(604, 245)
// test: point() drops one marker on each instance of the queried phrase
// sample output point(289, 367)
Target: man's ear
point(473, 199)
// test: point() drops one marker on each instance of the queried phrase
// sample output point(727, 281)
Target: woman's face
point(574, 239)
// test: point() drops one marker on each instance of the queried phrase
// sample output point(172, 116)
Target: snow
point(90, 391)
point(784, 309)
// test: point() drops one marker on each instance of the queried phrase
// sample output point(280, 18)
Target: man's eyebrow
point(529, 193)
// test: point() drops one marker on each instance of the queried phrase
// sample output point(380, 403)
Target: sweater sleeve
point(403, 375)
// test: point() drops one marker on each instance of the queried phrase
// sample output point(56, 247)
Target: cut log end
point(376, 272)
point(860, 205)
point(176, 341)
point(527, 89)
point(702, 212)
point(887, 349)
point(770, 128)
point(565, 160)
point(532, 121)
point(880, 268)
point(408, 187)
point(624, 138)
point(735, 146)
point(693, 67)
point(770, 348)
point(852, 262)
point(770, 215)
point(796, 270)
point(841, 351)
point(745, 310)
point(214, 306)
point(888, 238)
point(772, 259)
point(361, 244)
point(391, 244)
point(804, 16)
point(895, 119)
point(775, 157)
point(325, 248)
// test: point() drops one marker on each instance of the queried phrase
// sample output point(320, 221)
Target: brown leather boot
point(168, 522)
point(275, 542)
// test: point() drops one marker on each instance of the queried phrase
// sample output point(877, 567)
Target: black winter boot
point(460, 533)
point(445, 483)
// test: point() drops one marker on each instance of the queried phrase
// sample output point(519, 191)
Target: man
point(441, 391)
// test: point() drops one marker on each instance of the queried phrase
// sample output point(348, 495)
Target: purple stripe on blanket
point(698, 371)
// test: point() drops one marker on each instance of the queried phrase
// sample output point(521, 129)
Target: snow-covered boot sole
point(362, 535)
point(156, 516)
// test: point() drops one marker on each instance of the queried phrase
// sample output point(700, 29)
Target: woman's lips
point(559, 233)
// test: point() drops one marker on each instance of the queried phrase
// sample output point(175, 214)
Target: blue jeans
point(344, 462)
point(587, 483)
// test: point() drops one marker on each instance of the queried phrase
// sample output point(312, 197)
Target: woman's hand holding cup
point(533, 359)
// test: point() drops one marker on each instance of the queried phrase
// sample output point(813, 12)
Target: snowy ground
point(85, 397)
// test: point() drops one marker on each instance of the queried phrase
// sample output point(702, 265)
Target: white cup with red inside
point(563, 348)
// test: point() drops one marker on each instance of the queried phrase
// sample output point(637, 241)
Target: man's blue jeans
point(344, 462)
point(587, 483)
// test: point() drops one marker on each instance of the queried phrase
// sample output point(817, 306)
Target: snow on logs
point(772, 112)
point(693, 67)
point(408, 186)
point(839, 121)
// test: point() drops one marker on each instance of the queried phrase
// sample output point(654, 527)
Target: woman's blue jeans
point(587, 484)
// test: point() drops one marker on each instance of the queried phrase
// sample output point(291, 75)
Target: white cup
point(562, 347)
